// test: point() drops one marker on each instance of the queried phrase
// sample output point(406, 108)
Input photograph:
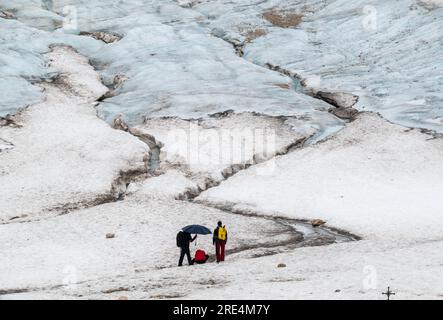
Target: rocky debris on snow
point(342, 102)
point(283, 19)
point(116, 84)
point(106, 37)
point(5, 145)
point(283, 85)
point(317, 222)
point(239, 49)
point(120, 124)
point(249, 36)
point(108, 94)
point(119, 80)
point(431, 4)
point(253, 34)
point(8, 121)
point(338, 99)
point(113, 290)
point(119, 187)
point(187, 3)
point(344, 113)
point(110, 235)
point(281, 70)
point(75, 75)
point(6, 14)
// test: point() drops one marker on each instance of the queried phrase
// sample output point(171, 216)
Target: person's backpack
point(181, 239)
point(222, 233)
point(200, 255)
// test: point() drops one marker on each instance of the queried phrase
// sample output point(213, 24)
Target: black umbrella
point(196, 229)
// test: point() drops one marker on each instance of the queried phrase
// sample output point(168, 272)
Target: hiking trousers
point(220, 250)
point(184, 251)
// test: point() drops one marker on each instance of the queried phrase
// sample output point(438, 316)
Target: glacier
point(179, 60)
point(349, 92)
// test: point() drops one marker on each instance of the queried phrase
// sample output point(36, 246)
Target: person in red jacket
point(200, 257)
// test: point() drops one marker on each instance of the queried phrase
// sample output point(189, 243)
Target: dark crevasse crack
point(154, 149)
point(233, 169)
point(153, 161)
point(342, 102)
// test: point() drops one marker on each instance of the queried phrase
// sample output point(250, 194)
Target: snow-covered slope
point(221, 145)
point(63, 154)
point(373, 178)
point(144, 241)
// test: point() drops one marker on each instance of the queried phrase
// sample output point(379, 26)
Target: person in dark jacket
point(185, 241)
point(219, 240)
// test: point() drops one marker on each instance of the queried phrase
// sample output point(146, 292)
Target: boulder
point(120, 124)
point(119, 79)
point(317, 222)
point(102, 36)
point(6, 15)
point(337, 99)
point(110, 235)
point(281, 265)
point(344, 113)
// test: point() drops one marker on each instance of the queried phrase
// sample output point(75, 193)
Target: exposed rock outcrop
point(283, 19)
point(6, 14)
point(102, 36)
point(337, 99)
point(344, 113)
point(317, 222)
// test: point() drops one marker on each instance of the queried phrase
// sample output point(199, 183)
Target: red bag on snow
point(200, 255)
